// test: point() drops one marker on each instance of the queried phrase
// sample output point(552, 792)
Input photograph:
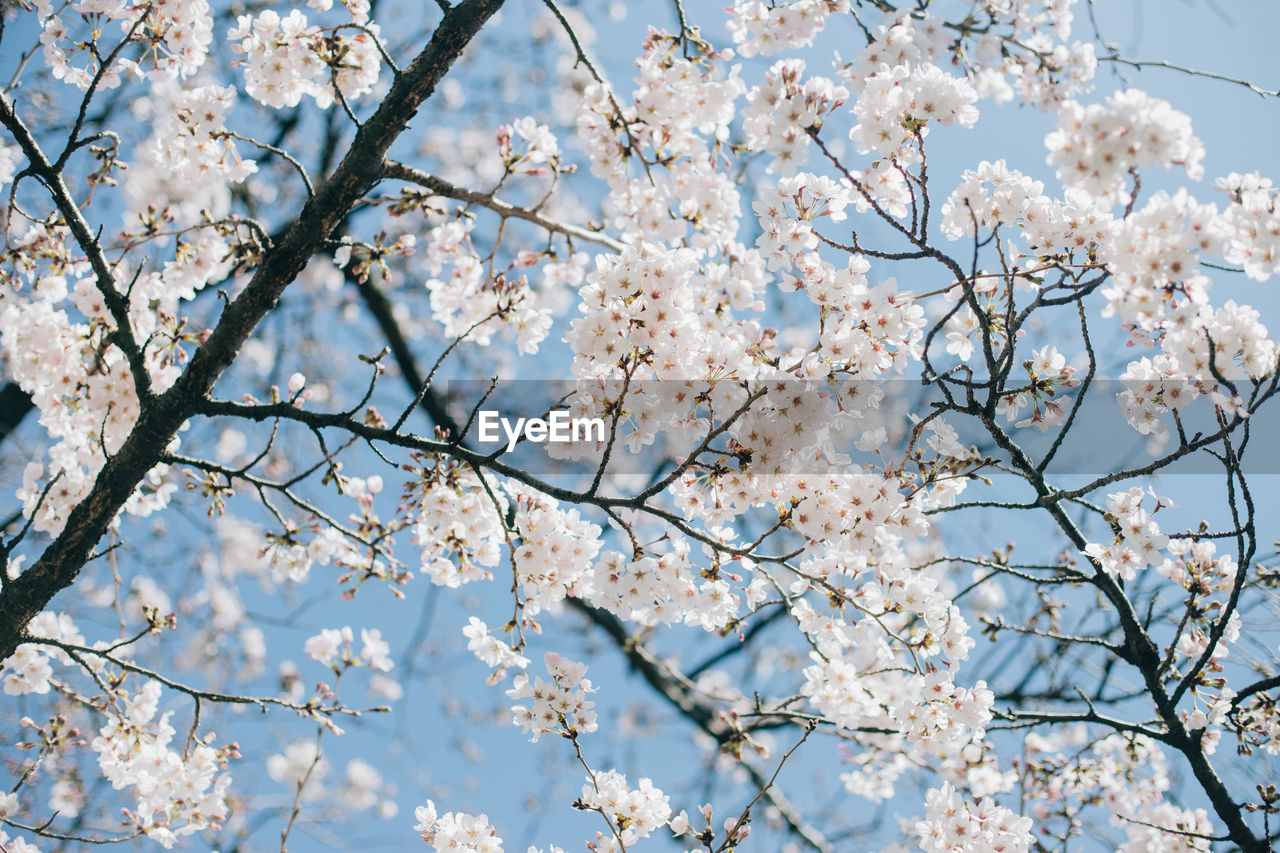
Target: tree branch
point(160, 420)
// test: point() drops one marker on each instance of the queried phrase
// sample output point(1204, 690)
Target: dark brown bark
point(60, 564)
point(14, 406)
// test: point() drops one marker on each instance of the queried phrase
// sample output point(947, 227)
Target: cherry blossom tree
point(882, 516)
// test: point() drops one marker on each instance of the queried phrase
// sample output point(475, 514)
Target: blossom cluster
point(28, 670)
point(951, 824)
point(1167, 828)
point(848, 683)
point(292, 560)
point(642, 300)
point(176, 35)
point(557, 547)
point(658, 590)
point(179, 793)
point(186, 168)
point(459, 525)
point(1022, 51)
point(634, 812)
point(683, 108)
point(1047, 374)
point(333, 648)
point(491, 650)
point(538, 147)
point(288, 58)
point(470, 303)
point(1095, 147)
point(1138, 542)
point(994, 195)
point(456, 832)
point(559, 705)
point(1254, 222)
point(763, 29)
point(896, 105)
point(781, 110)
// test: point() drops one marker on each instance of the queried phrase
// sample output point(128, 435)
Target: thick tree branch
point(14, 406)
point(161, 418)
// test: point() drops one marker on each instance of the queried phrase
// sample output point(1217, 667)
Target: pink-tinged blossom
point(765, 29)
point(781, 110)
point(1251, 223)
point(456, 832)
point(288, 58)
point(952, 824)
point(559, 705)
point(635, 812)
point(490, 650)
point(1095, 147)
point(179, 793)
